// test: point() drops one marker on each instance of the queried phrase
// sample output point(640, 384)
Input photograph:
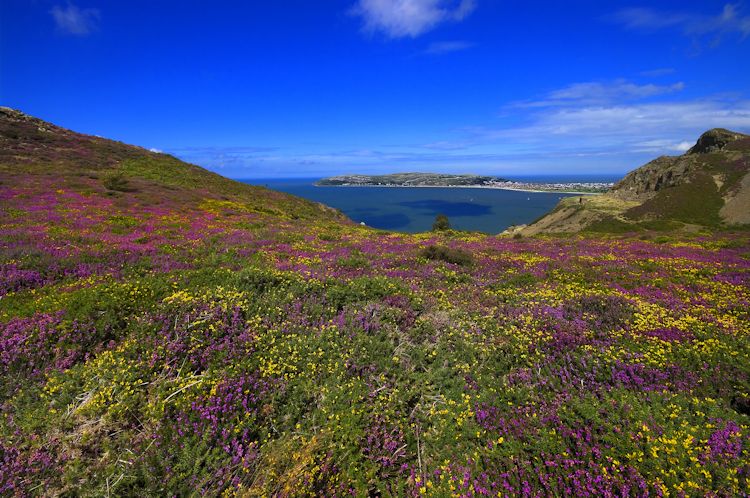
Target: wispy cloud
point(729, 20)
point(73, 20)
point(638, 127)
point(446, 47)
point(604, 127)
point(611, 138)
point(598, 92)
point(227, 157)
point(446, 145)
point(658, 145)
point(640, 120)
point(661, 71)
point(410, 18)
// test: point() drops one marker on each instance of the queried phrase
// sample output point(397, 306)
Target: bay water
point(413, 209)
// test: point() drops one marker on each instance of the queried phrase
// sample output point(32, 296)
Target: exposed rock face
point(660, 173)
point(714, 140)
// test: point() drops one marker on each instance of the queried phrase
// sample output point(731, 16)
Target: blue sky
point(300, 88)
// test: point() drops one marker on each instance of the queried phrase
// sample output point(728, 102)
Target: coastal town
point(463, 181)
point(560, 187)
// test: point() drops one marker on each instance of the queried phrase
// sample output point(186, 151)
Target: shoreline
point(569, 192)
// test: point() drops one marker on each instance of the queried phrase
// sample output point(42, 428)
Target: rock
point(714, 140)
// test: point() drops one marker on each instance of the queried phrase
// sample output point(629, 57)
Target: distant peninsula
point(465, 180)
point(409, 180)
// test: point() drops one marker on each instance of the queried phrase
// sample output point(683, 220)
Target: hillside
point(168, 332)
point(708, 186)
point(32, 150)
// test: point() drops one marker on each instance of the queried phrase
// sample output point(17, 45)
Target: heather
point(158, 347)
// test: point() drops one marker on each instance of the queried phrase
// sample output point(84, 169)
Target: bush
point(117, 182)
point(441, 223)
point(449, 255)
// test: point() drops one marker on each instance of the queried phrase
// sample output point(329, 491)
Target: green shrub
point(441, 223)
point(117, 182)
point(448, 254)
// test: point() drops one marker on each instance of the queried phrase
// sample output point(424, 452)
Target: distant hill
point(127, 173)
point(708, 186)
point(409, 180)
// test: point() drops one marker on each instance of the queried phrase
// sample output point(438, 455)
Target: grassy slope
point(29, 146)
point(168, 341)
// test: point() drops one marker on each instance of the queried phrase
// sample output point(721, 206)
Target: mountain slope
point(709, 186)
point(30, 146)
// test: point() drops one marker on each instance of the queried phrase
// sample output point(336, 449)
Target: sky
point(310, 89)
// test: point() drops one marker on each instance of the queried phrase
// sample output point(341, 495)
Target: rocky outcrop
point(708, 185)
point(647, 180)
point(671, 171)
point(715, 140)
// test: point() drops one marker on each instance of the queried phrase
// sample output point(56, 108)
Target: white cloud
point(635, 121)
point(682, 146)
point(657, 146)
point(729, 20)
point(660, 127)
point(410, 18)
point(75, 21)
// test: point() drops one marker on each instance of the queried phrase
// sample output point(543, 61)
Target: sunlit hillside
point(168, 332)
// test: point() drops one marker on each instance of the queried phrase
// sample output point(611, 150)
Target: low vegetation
point(697, 202)
point(161, 345)
point(450, 255)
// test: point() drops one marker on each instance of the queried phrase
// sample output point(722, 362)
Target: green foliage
point(356, 260)
point(116, 181)
point(441, 223)
point(448, 254)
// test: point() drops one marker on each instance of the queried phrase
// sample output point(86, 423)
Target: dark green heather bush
point(448, 254)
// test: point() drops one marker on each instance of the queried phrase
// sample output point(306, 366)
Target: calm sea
point(414, 209)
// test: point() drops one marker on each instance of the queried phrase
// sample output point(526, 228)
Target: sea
point(413, 209)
